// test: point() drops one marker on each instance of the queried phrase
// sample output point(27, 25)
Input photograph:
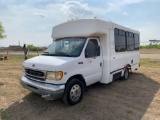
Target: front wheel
point(126, 74)
point(73, 92)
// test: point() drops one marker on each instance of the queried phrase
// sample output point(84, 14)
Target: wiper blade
point(64, 54)
point(58, 54)
point(47, 54)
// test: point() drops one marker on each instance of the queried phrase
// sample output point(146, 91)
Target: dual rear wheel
point(125, 74)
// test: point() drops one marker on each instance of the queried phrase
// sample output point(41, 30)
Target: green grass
point(150, 63)
point(17, 57)
point(150, 66)
point(151, 46)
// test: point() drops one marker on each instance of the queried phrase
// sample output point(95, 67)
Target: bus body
point(83, 52)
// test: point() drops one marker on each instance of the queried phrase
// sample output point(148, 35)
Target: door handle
point(100, 64)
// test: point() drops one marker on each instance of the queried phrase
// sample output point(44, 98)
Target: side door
point(93, 61)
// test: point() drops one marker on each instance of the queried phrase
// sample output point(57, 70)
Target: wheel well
point(128, 66)
point(80, 77)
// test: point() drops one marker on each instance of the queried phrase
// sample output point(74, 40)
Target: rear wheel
point(73, 92)
point(126, 74)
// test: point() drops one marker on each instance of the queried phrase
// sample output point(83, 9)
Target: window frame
point(136, 43)
point(117, 32)
point(97, 53)
point(128, 34)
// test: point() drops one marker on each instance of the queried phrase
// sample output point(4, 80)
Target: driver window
point(92, 49)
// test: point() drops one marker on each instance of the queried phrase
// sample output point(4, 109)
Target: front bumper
point(48, 91)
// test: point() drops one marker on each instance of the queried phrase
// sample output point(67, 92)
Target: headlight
point(54, 75)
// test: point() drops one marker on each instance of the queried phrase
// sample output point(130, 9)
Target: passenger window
point(130, 42)
point(120, 42)
point(125, 40)
point(92, 49)
point(120, 32)
point(116, 31)
point(136, 43)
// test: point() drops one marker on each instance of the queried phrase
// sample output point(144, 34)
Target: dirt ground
point(150, 56)
point(150, 51)
point(135, 99)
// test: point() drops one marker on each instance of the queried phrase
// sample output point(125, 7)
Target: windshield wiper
point(58, 54)
point(47, 54)
point(64, 54)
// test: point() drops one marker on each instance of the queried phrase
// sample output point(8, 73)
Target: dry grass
point(150, 51)
point(135, 99)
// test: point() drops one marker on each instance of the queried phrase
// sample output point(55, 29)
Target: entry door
point(93, 58)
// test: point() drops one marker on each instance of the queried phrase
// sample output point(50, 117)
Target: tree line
point(31, 47)
point(151, 46)
point(2, 31)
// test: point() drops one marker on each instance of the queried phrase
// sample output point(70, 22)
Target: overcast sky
point(31, 21)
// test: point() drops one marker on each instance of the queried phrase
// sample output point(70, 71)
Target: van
point(83, 52)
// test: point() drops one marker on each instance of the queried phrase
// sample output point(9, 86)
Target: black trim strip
point(116, 70)
point(134, 64)
point(121, 68)
point(43, 81)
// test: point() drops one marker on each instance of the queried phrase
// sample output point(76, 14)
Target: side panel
point(104, 41)
point(120, 59)
point(114, 62)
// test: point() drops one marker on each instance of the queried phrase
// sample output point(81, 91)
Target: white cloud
point(74, 9)
point(5, 2)
point(149, 32)
point(21, 19)
point(113, 7)
point(42, 15)
point(118, 5)
point(21, 24)
point(125, 13)
point(132, 1)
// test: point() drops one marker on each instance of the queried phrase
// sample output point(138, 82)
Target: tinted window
point(120, 42)
point(92, 48)
point(120, 32)
point(136, 39)
point(130, 41)
point(116, 31)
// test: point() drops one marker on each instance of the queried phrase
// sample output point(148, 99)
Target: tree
point(31, 47)
point(2, 36)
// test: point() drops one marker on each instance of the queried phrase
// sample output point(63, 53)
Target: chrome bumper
point(48, 91)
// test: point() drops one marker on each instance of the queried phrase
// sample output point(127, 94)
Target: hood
point(47, 63)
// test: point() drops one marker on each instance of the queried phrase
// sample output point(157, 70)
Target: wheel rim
point(75, 92)
point(126, 74)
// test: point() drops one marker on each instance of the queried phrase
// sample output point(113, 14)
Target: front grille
point(35, 74)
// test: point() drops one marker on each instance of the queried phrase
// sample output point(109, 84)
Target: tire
point(126, 74)
point(73, 92)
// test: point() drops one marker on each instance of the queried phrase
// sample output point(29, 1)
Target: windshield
point(66, 47)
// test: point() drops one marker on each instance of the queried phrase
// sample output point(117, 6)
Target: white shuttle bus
point(83, 52)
